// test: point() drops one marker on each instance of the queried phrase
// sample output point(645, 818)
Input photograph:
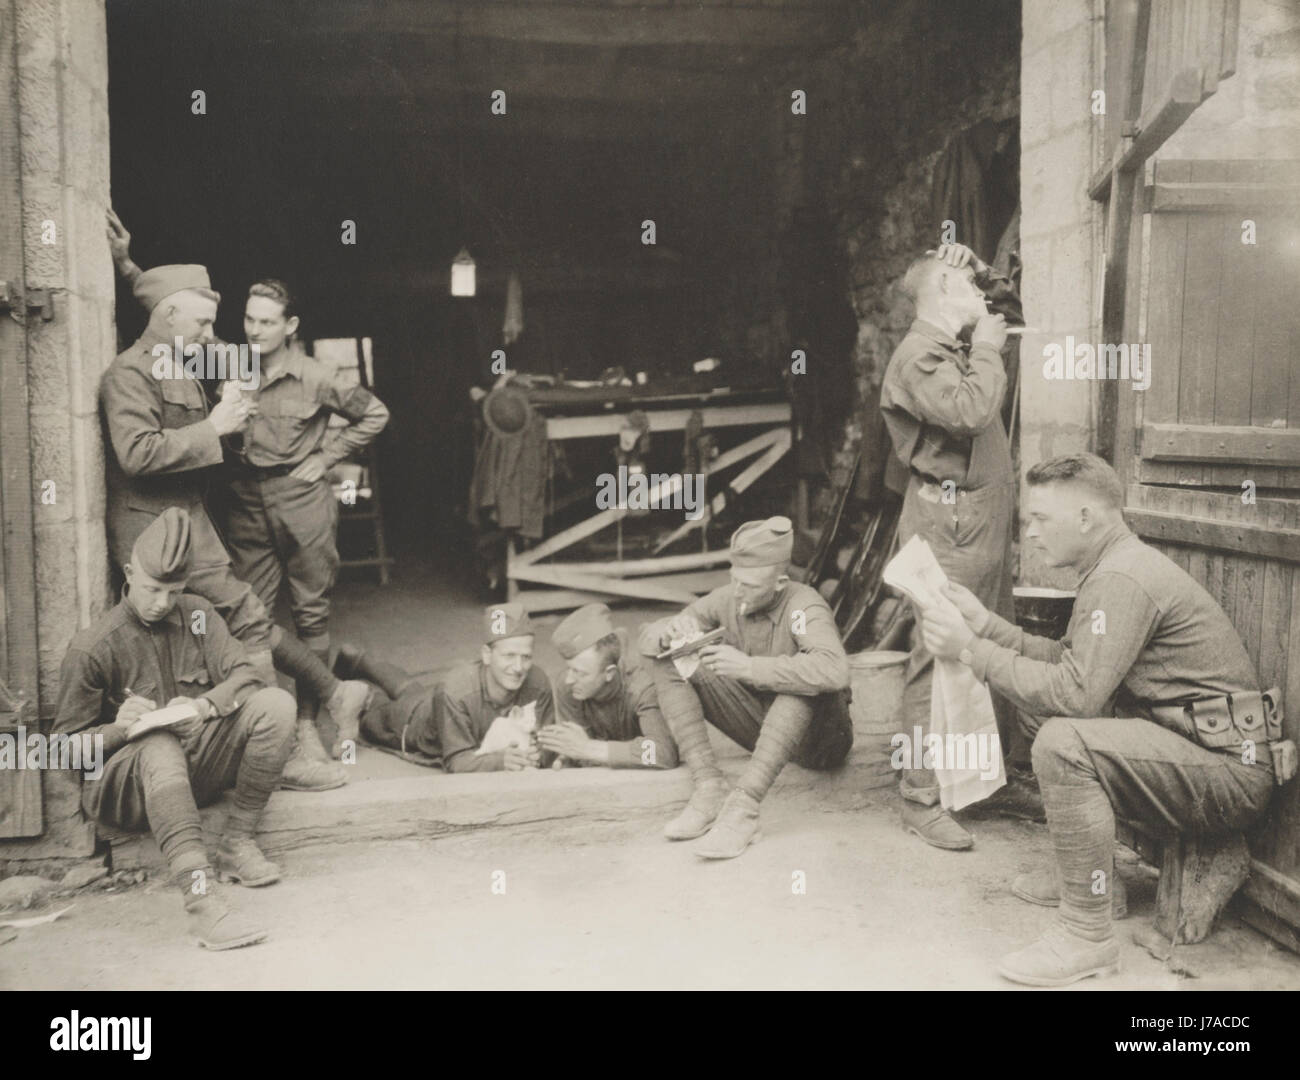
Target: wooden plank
point(640, 588)
point(21, 812)
point(1202, 276)
point(1204, 532)
point(1218, 198)
point(1245, 592)
point(1173, 501)
point(715, 416)
point(1207, 442)
point(1272, 356)
point(1275, 606)
point(1167, 259)
point(641, 567)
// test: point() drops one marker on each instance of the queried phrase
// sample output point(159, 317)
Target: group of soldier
point(1147, 722)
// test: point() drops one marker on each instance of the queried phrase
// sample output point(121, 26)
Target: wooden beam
point(1236, 537)
point(566, 24)
point(1218, 198)
point(638, 588)
point(583, 427)
point(1221, 445)
point(1184, 95)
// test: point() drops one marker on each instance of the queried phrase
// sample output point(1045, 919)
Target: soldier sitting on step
point(161, 644)
point(1156, 715)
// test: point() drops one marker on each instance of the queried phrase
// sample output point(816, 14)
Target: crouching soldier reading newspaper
point(162, 645)
point(1155, 712)
point(776, 684)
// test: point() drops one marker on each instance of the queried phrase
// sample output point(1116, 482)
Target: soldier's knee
point(273, 708)
point(162, 758)
point(1056, 748)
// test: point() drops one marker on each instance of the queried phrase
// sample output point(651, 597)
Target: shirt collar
point(290, 364)
point(935, 333)
point(1121, 534)
point(172, 618)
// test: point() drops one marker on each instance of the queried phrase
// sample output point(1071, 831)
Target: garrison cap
point(163, 551)
point(581, 629)
point(154, 286)
point(501, 621)
point(763, 543)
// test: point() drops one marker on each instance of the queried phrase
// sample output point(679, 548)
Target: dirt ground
point(610, 904)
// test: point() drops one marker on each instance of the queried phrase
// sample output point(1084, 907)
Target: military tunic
point(162, 450)
point(464, 710)
point(626, 715)
point(276, 524)
point(942, 404)
point(120, 656)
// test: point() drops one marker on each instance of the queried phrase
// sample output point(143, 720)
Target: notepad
point(162, 718)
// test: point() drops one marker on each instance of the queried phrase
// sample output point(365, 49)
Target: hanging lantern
point(463, 274)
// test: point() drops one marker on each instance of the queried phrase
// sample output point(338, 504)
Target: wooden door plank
point(1168, 256)
point(1202, 280)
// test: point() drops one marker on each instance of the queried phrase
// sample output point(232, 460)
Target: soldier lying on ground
point(1156, 717)
point(161, 644)
point(607, 706)
point(450, 721)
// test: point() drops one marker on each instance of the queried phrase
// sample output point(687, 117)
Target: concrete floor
point(594, 897)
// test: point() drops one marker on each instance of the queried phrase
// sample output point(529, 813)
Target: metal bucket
point(877, 682)
point(1043, 611)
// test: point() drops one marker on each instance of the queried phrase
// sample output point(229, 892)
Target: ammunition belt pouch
point(1227, 723)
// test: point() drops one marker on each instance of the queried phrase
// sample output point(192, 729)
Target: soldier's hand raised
point(990, 330)
point(229, 414)
point(119, 240)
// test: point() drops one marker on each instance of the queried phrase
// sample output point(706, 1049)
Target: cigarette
point(1014, 331)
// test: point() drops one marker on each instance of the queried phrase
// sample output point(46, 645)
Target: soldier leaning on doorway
point(942, 403)
point(163, 440)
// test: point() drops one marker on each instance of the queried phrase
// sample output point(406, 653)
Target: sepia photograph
point(670, 495)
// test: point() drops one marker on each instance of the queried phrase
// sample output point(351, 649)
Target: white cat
point(513, 729)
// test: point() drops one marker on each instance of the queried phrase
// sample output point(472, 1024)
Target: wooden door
point(1203, 265)
point(20, 791)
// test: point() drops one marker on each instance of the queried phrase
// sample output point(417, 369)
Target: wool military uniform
point(277, 525)
point(159, 780)
point(942, 403)
point(624, 712)
point(163, 452)
point(794, 707)
point(1126, 736)
point(449, 721)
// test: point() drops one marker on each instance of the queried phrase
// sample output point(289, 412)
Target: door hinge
point(41, 300)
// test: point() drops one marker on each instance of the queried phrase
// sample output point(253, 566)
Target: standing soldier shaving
point(942, 404)
point(282, 517)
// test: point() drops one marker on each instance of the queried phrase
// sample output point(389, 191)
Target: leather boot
point(346, 705)
point(239, 859)
point(217, 924)
point(935, 826)
point(1059, 958)
point(734, 830)
point(353, 663)
point(305, 772)
point(698, 814)
point(1043, 887)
